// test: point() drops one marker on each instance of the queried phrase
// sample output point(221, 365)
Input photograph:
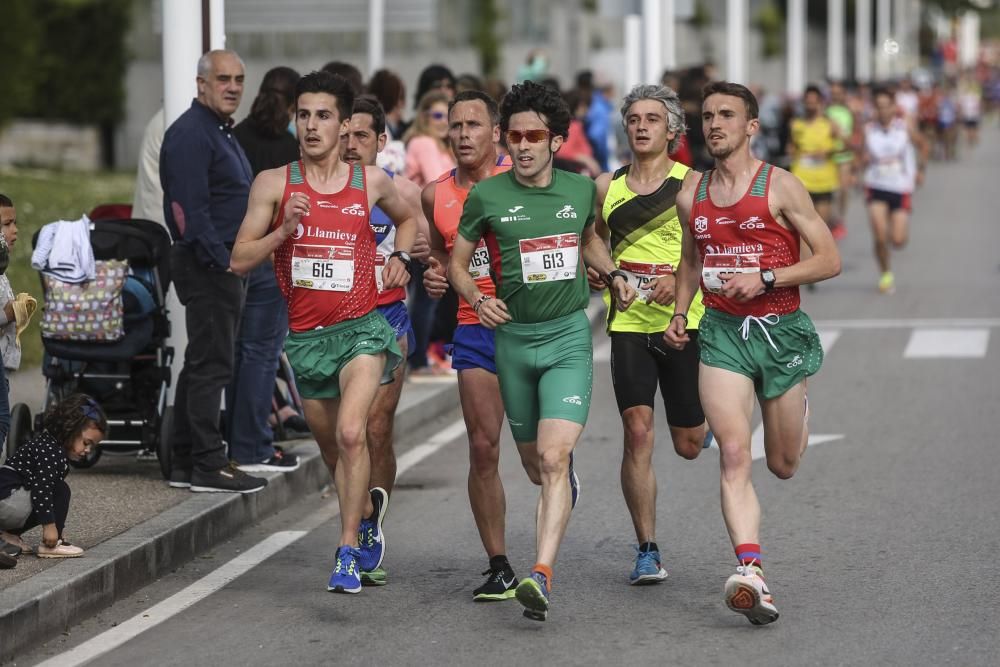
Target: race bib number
point(716, 265)
point(380, 262)
point(889, 169)
point(325, 268)
point(812, 161)
point(549, 258)
point(479, 266)
point(640, 276)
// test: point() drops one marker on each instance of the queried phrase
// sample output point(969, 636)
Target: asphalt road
point(879, 551)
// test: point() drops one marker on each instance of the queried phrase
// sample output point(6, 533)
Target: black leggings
point(60, 505)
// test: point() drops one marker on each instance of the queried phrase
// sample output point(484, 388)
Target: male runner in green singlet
point(637, 212)
point(539, 222)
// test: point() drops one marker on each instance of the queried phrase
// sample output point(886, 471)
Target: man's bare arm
point(796, 208)
point(688, 274)
point(410, 192)
point(254, 243)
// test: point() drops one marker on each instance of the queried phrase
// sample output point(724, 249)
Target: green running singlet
point(544, 355)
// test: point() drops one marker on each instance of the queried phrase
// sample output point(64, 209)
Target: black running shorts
point(640, 362)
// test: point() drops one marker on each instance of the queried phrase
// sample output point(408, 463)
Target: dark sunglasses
point(514, 137)
point(438, 115)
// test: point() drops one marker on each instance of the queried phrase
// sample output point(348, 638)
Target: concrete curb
point(49, 602)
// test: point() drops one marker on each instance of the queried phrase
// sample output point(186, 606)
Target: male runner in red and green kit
point(313, 215)
point(474, 132)
point(539, 222)
point(745, 219)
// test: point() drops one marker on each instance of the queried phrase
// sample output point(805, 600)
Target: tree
point(20, 35)
point(80, 74)
point(484, 38)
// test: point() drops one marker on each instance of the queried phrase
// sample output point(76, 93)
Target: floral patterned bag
point(87, 311)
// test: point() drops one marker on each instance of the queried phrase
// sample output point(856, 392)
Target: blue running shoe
point(708, 440)
point(346, 576)
point(648, 569)
point(574, 482)
point(371, 539)
point(533, 594)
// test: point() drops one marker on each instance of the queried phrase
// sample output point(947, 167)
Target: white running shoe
point(747, 594)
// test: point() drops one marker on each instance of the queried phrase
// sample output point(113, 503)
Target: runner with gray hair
point(670, 100)
point(637, 213)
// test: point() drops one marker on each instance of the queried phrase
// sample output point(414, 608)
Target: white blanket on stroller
point(63, 250)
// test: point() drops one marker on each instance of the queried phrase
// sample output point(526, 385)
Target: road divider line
point(913, 323)
point(111, 639)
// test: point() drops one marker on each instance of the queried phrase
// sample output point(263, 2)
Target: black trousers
point(213, 305)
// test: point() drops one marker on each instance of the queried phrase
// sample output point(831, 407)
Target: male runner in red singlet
point(745, 219)
point(313, 215)
point(474, 131)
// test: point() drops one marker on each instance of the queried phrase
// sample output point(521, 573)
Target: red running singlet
point(449, 199)
point(326, 268)
point(743, 237)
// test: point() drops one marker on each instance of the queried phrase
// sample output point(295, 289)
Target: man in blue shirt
point(206, 183)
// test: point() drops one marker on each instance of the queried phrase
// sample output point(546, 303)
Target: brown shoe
point(62, 549)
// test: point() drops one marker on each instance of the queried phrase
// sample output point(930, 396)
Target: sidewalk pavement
point(135, 528)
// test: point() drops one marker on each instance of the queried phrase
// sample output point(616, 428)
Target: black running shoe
point(500, 585)
point(228, 480)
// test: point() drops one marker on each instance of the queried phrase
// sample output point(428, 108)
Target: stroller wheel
point(89, 460)
point(20, 428)
point(163, 444)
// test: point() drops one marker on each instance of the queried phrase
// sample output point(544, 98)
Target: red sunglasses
point(514, 137)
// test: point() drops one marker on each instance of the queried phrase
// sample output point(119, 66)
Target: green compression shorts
point(546, 371)
point(318, 356)
point(745, 347)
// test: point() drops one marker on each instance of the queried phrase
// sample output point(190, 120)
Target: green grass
point(43, 196)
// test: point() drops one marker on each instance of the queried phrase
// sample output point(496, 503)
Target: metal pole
point(633, 59)
point(669, 35)
point(796, 39)
point(835, 29)
point(863, 40)
point(181, 50)
point(217, 24)
point(653, 46)
point(883, 45)
point(376, 35)
point(736, 38)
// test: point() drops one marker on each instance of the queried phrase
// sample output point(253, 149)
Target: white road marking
point(947, 343)
point(111, 639)
point(827, 337)
point(941, 323)
point(757, 441)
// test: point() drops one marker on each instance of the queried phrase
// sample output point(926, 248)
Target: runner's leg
point(899, 228)
point(878, 215)
point(556, 439)
point(785, 430)
point(359, 381)
point(482, 409)
point(727, 399)
point(637, 474)
point(380, 429)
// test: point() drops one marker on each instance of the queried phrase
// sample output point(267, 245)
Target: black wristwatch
point(404, 257)
point(610, 278)
point(767, 277)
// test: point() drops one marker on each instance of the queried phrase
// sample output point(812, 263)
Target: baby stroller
point(129, 377)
